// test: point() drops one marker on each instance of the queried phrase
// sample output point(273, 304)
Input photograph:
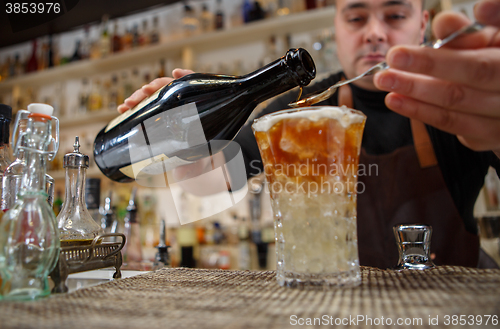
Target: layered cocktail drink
point(310, 159)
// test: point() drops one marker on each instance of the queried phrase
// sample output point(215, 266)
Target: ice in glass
point(310, 157)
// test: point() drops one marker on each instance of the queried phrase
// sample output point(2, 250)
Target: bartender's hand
point(455, 88)
point(150, 88)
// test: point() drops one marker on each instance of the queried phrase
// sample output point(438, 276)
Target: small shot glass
point(414, 244)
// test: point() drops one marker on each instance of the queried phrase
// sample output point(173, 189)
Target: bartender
point(432, 129)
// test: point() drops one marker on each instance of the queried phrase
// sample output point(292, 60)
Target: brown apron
point(408, 189)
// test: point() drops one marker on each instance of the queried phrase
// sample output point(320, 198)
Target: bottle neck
point(296, 68)
point(75, 189)
point(36, 139)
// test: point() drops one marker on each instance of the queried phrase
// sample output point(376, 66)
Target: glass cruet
point(29, 239)
point(76, 225)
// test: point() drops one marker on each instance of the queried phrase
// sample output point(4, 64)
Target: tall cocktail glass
point(310, 157)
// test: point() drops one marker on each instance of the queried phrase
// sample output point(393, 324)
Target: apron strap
point(421, 139)
point(423, 145)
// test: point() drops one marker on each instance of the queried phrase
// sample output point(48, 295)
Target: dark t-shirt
point(385, 131)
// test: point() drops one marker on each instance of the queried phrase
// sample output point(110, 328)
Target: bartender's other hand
point(455, 88)
point(149, 89)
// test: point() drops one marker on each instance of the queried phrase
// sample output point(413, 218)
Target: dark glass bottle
point(192, 117)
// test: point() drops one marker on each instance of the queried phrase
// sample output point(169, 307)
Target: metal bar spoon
point(321, 96)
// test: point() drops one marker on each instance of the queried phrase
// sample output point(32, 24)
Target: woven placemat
point(197, 298)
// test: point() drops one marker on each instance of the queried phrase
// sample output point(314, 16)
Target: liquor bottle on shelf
point(132, 251)
point(105, 42)
point(76, 225)
point(135, 36)
point(51, 53)
point(95, 97)
point(219, 16)
point(161, 70)
point(86, 43)
point(29, 239)
point(84, 95)
point(190, 23)
point(117, 39)
point(144, 35)
point(77, 53)
point(206, 19)
point(155, 32)
point(115, 94)
point(213, 109)
point(32, 64)
point(127, 39)
point(5, 160)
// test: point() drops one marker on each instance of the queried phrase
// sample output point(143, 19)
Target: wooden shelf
point(255, 31)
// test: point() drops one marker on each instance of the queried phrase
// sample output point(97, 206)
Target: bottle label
point(122, 117)
point(158, 164)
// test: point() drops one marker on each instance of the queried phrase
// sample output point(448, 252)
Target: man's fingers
point(179, 73)
point(488, 12)
point(485, 131)
point(445, 23)
point(475, 68)
point(154, 85)
point(441, 93)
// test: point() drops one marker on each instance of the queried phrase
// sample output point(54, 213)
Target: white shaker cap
point(41, 108)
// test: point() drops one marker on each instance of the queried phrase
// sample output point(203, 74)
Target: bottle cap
point(76, 159)
point(5, 112)
point(41, 109)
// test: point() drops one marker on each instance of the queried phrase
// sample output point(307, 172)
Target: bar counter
point(443, 297)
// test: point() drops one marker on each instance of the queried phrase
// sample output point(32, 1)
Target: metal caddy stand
point(97, 255)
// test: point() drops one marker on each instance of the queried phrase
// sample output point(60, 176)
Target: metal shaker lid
point(76, 159)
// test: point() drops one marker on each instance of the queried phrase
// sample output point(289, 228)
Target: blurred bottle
point(32, 64)
point(52, 52)
point(132, 251)
point(18, 65)
point(58, 202)
point(187, 240)
point(247, 8)
point(135, 36)
point(105, 94)
point(115, 97)
point(95, 97)
point(206, 19)
point(126, 85)
point(144, 35)
point(190, 23)
point(155, 31)
point(116, 43)
point(127, 39)
point(109, 223)
point(5, 159)
point(93, 198)
point(86, 44)
point(77, 53)
point(105, 42)
point(244, 259)
point(84, 96)
point(219, 16)
point(162, 258)
point(283, 8)
point(149, 222)
point(161, 70)
point(43, 56)
point(310, 4)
